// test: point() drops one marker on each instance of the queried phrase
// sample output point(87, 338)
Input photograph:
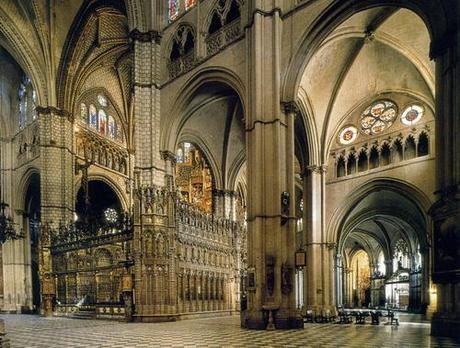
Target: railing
point(181, 64)
point(191, 220)
point(84, 235)
point(223, 36)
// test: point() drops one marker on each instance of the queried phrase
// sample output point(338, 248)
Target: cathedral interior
point(230, 166)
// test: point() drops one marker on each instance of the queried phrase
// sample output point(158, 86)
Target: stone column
point(271, 215)
point(320, 253)
point(56, 187)
point(339, 279)
point(149, 163)
point(446, 211)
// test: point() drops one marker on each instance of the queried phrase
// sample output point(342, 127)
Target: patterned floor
point(33, 331)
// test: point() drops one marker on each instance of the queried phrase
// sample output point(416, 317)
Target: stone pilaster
point(224, 203)
point(57, 165)
point(446, 211)
point(270, 172)
point(17, 292)
point(149, 164)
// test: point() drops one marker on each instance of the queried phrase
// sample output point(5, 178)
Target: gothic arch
point(23, 185)
point(437, 20)
point(16, 44)
point(184, 95)
point(71, 70)
point(135, 11)
point(119, 191)
point(202, 145)
point(234, 170)
point(410, 192)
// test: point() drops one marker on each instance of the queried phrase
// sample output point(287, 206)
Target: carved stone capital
point(148, 36)
point(317, 169)
point(169, 156)
point(51, 110)
point(222, 193)
point(289, 108)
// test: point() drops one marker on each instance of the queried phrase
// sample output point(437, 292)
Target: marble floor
point(33, 331)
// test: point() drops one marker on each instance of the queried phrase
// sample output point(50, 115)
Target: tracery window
point(224, 26)
point(348, 135)
point(401, 255)
point(27, 99)
point(378, 117)
point(412, 115)
point(175, 7)
point(194, 178)
point(381, 267)
point(98, 114)
point(182, 55)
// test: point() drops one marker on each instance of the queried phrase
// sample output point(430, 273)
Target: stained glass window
point(102, 100)
point(111, 131)
point(22, 105)
point(34, 102)
point(102, 122)
point(100, 117)
point(180, 156)
point(83, 112)
point(189, 4)
point(412, 115)
point(348, 135)
point(378, 117)
point(173, 9)
point(92, 116)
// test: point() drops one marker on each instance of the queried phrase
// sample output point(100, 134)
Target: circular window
point(111, 215)
point(348, 135)
point(412, 115)
point(378, 117)
point(102, 100)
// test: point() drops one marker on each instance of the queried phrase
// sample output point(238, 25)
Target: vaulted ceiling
point(382, 218)
point(214, 122)
point(376, 51)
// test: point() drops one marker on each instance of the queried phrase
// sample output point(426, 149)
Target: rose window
point(378, 117)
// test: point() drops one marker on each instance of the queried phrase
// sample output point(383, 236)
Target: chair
point(375, 317)
point(393, 319)
point(308, 316)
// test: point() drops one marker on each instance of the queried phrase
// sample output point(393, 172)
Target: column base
point(253, 320)
point(445, 326)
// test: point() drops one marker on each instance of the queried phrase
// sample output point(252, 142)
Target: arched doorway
point(31, 225)
point(384, 250)
point(97, 206)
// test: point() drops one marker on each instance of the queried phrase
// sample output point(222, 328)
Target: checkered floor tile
point(34, 331)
